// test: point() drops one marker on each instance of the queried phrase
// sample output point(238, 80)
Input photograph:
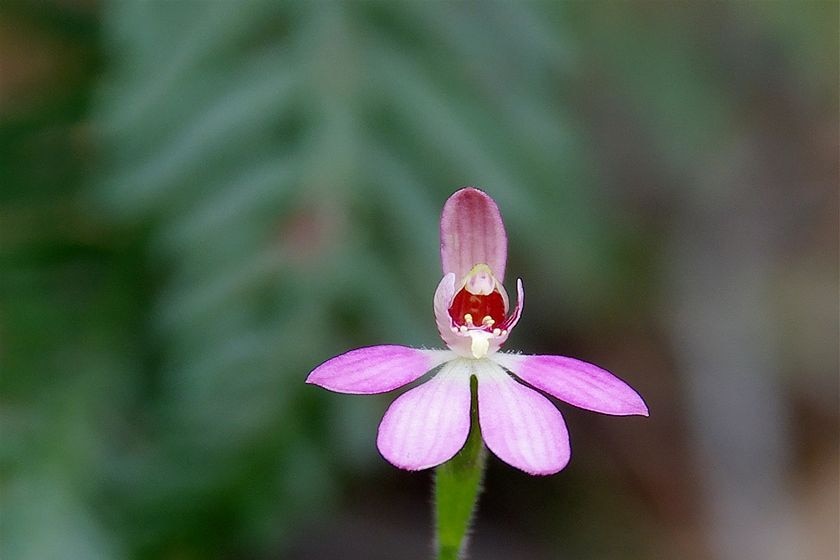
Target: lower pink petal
point(428, 425)
point(579, 383)
point(519, 425)
point(375, 369)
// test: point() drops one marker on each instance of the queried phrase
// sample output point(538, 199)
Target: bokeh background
point(201, 201)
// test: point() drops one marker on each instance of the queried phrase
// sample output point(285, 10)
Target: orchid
point(429, 424)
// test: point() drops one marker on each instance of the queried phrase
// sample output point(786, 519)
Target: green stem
point(457, 485)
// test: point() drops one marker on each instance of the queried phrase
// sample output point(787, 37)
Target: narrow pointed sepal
point(375, 369)
point(576, 382)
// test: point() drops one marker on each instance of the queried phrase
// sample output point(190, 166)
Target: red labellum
point(475, 310)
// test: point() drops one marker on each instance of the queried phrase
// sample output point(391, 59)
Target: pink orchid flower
point(429, 424)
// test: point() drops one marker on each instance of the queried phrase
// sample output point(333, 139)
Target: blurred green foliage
point(216, 196)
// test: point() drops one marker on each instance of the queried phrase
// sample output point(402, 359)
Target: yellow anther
point(487, 321)
point(468, 319)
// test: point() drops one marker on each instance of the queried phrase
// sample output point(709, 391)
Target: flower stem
point(457, 485)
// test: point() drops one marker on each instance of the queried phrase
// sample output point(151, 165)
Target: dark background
point(201, 201)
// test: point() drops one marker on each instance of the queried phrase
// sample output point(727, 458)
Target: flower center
point(479, 304)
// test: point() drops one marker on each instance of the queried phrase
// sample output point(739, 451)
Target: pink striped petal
point(512, 319)
point(519, 425)
point(520, 303)
point(471, 233)
point(457, 342)
point(375, 369)
point(576, 382)
point(428, 425)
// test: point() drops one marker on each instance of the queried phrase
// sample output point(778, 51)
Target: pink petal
point(427, 425)
point(520, 303)
point(519, 425)
point(576, 382)
point(443, 299)
point(471, 233)
point(513, 318)
point(375, 369)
